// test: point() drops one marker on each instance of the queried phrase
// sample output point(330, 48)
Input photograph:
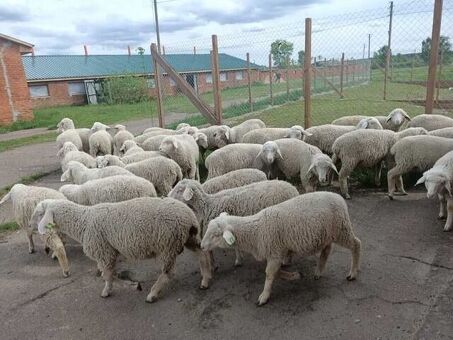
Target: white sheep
point(137, 229)
point(163, 172)
point(369, 123)
point(233, 179)
point(261, 136)
point(130, 147)
point(183, 150)
point(393, 121)
point(366, 148)
point(109, 189)
point(108, 160)
point(431, 122)
point(241, 201)
point(152, 143)
point(217, 136)
point(69, 153)
point(70, 135)
point(78, 173)
point(415, 152)
point(84, 134)
point(305, 225)
point(159, 130)
point(120, 137)
point(295, 158)
point(101, 143)
point(97, 126)
point(238, 131)
point(24, 199)
point(323, 136)
point(444, 132)
point(438, 181)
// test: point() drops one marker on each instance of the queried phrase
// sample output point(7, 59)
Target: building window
point(37, 91)
point(151, 83)
point(208, 78)
point(76, 89)
point(223, 76)
point(239, 75)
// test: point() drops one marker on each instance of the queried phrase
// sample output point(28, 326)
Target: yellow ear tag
point(50, 226)
point(229, 237)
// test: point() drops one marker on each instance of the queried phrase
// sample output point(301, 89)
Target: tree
point(444, 47)
point(140, 50)
point(380, 55)
point(300, 57)
point(281, 50)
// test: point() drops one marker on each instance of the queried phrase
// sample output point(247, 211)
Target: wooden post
point(216, 80)
point(332, 71)
point(287, 77)
point(249, 83)
point(270, 80)
point(314, 74)
point(412, 64)
point(347, 71)
point(307, 74)
point(85, 49)
point(369, 53)
point(324, 72)
point(163, 49)
point(341, 74)
point(157, 82)
point(439, 77)
point(129, 50)
point(389, 51)
point(437, 19)
point(353, 72)
point(194, 50)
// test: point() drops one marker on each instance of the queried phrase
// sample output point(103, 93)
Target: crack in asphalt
point(421, 261)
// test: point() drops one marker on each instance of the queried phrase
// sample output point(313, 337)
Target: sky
point(109, 26)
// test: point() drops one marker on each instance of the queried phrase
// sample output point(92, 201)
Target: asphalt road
point(404, 289)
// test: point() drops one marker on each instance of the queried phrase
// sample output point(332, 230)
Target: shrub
point(127, 89)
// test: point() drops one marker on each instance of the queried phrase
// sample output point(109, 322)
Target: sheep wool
point(233, 179)
point(78, 173)
point(431, 122)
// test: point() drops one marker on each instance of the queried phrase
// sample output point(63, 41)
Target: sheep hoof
point(46, 249)
point(447, 229)
point(390, 197)
point(441, 217)
point(151, 299)
point(350, 278)
point(317, 277)
point(66, 274)
point(203, 287)
point(260, 302)
point(31, 251)
point(236, 264)
point(105, 294)
point(139, 286)
point(400, 193)
point(347, 197)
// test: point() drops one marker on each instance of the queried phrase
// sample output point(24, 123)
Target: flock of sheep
point(141, 196)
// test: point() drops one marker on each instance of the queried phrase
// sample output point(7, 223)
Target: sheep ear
point(223, 214)
point(5, 198)
point(259, 154)
point(65, 176)
point(306, 133)
point(175, 145)
point(279, 153)
point(46, 220)
point(363, 124)
point(388, 118)
point(187, 194)
point(312, 166)
point(229, 237)
point(421, 180)
point(334, 168)
point(60, 152)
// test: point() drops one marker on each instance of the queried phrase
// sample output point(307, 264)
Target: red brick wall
point(58, 96)
point(15, 104)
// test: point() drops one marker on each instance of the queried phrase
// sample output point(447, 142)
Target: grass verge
point(24, 180)
point(8, 227)
point(16, 143)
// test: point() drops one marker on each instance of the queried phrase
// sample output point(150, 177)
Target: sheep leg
point(442, 206)
point(205, 269)
point(345, 171)
point(192, 171)
point(353, 244)
point(377, 176)
point(391, 180)
point(449, 224)
point(272, 268)
point(238, 261)
point(400, 187)
point(31, 244)
point(164, 277)
point(322, 261)
point(107, 275)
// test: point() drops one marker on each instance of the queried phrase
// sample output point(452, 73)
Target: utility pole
point(156, 19)
point(389, 51)
point(369, 52)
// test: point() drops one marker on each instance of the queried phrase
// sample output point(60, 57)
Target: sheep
point(97, 126)
point(241, 201)
point(393, 121)
point(65, 124)
point(140, 228)
point(120, 137)
point(109, 189)
point(100, 143)
point(190, 130)
point(367, 148)
point(233, 157)
point(153, 143)
point(261, 136)
point(24, 199)
point(84, 134)
point(415, 152)
point(201, 139)
point(130, 147)
point(69, 136)
point(323, 136)
point(445, 132)
point(108, 160)
point(349, 120)
point(238, 131)
point(294, 157)
point(233, 179)
point(305, 225)
point(217, 135)
point(369, 123)
point(163, 172)
point(158, 131)
point(78, 173)
point(431, 122)
point(438, 181)
point(183, 150)
point(69, 153)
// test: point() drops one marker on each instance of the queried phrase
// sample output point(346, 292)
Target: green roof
point(99, 66)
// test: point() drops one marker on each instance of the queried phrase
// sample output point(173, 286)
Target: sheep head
point(397, 117)
point(219, 234)
point(320, 166)
point(65, 124)
point(221, 136)
point(298, 132)
point(187, 191)
point(201, 139)
point(269, 153)
point(436, 180)
point(369, 123)
point(168, 145)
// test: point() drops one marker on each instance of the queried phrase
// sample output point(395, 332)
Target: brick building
point(15, 101)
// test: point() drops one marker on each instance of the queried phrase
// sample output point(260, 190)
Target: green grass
point(8, 227)
point(18, 142)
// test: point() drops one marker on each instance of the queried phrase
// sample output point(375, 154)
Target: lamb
point(233, 157)
point(120, 137)
point(416, 152)
point(261, 136)
point(323, 136)
point(110, 189)
point(84, 134)
point(367, 148)
point(163, 172)
point(238, 131)
point(141, 228)
point(438, 181)
point(233, 179)
point(305, 225)
point(100, 143)
point(293, 157)
point(445, 132)
point(78, 173)
point(69, 136)
point(217, 136)
point(24, 199)
point(431, 122)
point(130, 147)
point(183, 150)
point(107, 160)
point(369, 123)
point(241, 201)
point(69, 153)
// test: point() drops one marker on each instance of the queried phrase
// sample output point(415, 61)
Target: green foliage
point(380, 55)
point(9, 226)
point(444, 48)
point(281, 51)
point(140, 50)
point(300, 57)
point(127, 89)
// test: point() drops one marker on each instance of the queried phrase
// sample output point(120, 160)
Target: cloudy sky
point(109, 26)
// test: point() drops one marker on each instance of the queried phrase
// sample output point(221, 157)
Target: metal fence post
point(157, 82)
point(249, 82)
point(341, 74)
point(216, 80)
point(389, 51)
point(270, 80)
point(287, 77)
point(307, 75)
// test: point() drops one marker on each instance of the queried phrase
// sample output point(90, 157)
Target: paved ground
point(23, 133)
point(404, 290)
